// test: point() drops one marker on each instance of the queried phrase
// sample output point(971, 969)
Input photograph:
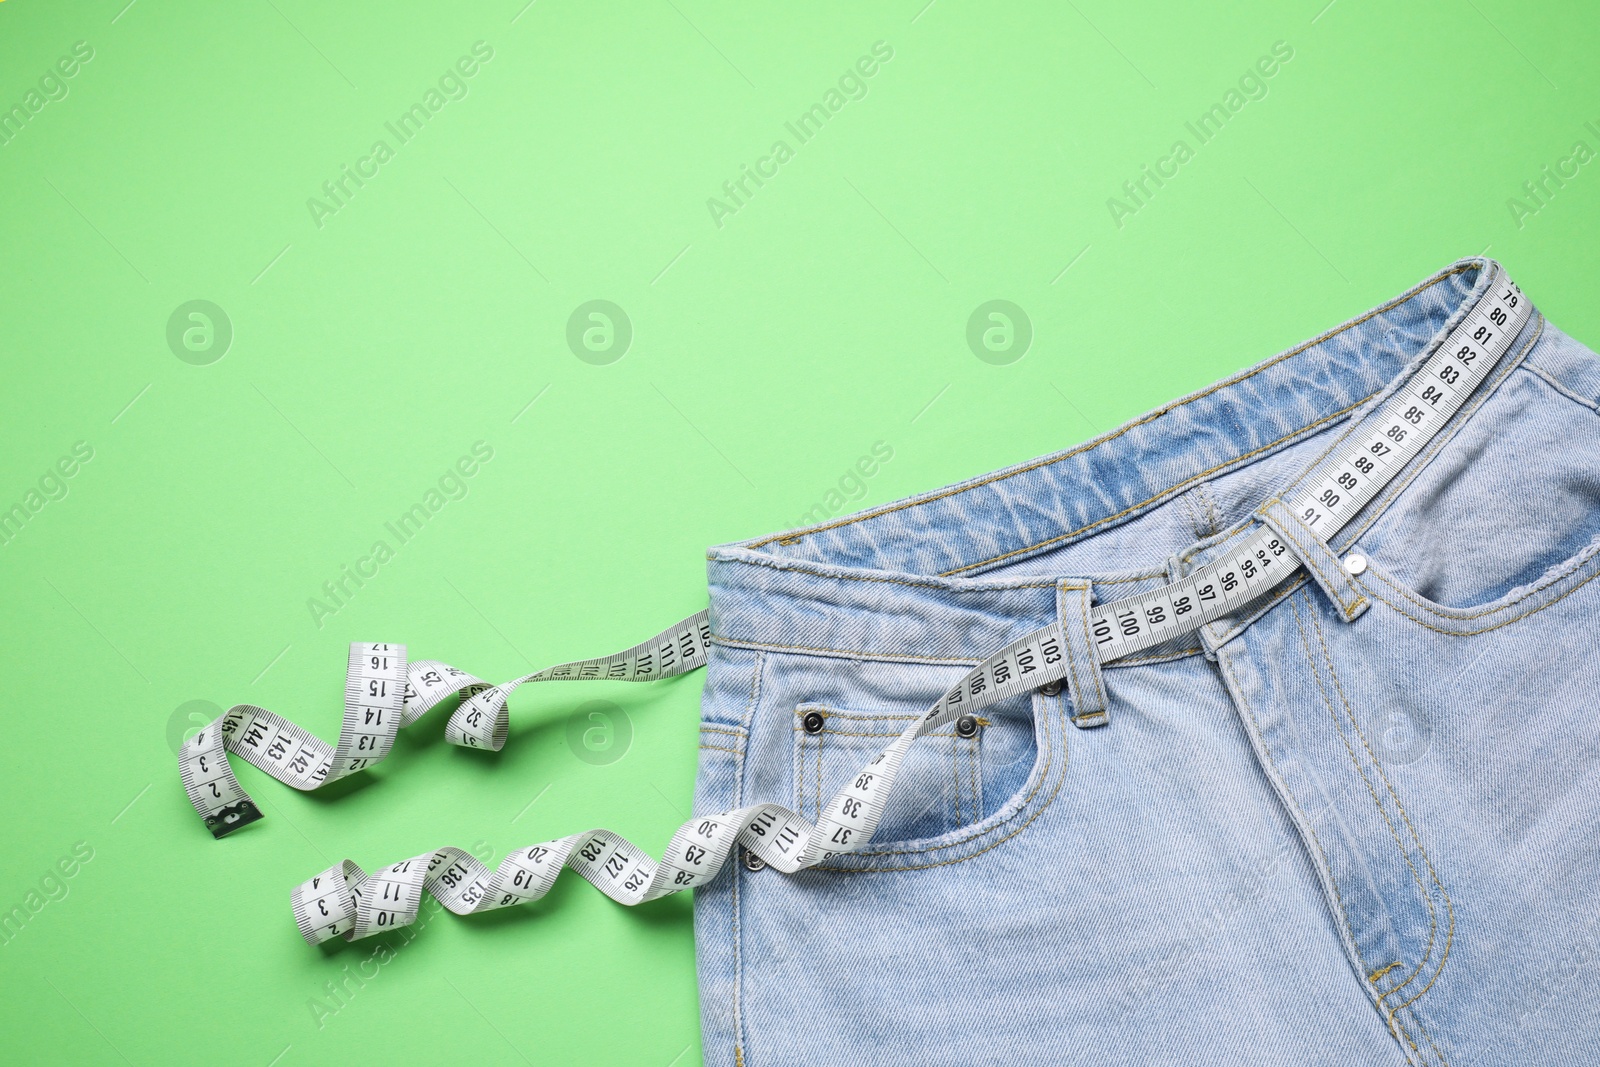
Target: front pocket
point(1504, 511)
point(951, 778)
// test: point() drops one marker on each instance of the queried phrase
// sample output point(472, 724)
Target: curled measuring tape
point(384, 692)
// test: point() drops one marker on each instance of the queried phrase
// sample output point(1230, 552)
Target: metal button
point(966, 726)
point(753, 862)
point(1050, 689)
point(812, 722)
point(1355, 563)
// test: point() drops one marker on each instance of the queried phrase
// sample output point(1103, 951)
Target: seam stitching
point(1567, 569)
point(1450, 910)
point(799, 568)
point(1563, 390)
point(1165, 409)
point(831, 712)
point(738, 944)
point(1294, 803)
point(1161, 496)
point(1044, 774)
point(891, 657)
point(854, 733)
point(1366, 779)
point(1485, 629)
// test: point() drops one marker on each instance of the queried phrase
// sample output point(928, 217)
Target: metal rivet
point(753, 862)
point(1050, 689)
point(1355, 563)
point(966, 726)
point(812, 722)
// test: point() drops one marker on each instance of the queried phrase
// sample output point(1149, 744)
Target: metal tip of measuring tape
point(232, 817)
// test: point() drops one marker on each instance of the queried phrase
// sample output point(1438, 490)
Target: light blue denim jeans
point(1358, 823)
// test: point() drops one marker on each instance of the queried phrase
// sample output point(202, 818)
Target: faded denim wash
point(1304, 835)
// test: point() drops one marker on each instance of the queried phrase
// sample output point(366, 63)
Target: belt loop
point(1083, 674)
point(1320, 561)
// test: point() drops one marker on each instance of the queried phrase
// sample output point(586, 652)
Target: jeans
point(1355, 823)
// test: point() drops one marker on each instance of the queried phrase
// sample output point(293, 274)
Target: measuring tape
point(384, 692)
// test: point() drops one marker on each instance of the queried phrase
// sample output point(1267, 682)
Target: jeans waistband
point(954, 574)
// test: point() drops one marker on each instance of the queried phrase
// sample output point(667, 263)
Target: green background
point(768, 354)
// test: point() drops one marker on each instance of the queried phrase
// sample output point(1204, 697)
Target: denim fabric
point(1354, 824)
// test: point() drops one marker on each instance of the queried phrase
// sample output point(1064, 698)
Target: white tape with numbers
point(385, 692)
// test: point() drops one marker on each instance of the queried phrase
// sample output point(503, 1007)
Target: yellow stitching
point(1432, 913)
point(719, 748)
point(1375, 975)
point(1175, 405)
point(893, 657)
point(1416, 876)
point(849, 733)
point(1266, 750)
point(736, 731)
point(1544, 376)
point(1338, 439)
point(798, 568)
point(831, 712)
point(1572, 566)
point(1507, 622)
point(1044, 772)
point(1417, 1019)
point(1449, 905)
point(1167, 492)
